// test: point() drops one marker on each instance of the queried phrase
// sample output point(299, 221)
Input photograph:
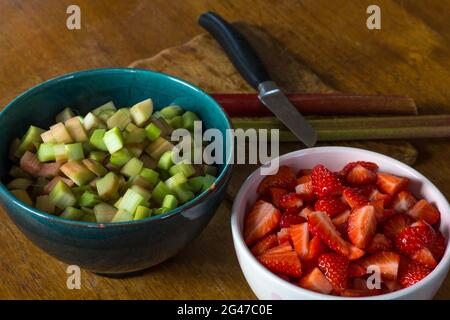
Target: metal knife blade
point(276, 101)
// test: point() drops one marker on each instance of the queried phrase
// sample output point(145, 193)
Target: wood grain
point(409, 56)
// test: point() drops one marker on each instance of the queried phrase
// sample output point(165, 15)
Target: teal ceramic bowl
point(111, 248)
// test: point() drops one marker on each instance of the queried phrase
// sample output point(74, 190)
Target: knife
point(249, 65)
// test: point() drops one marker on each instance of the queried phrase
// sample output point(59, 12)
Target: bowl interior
point(335, 158)
point(86, 90)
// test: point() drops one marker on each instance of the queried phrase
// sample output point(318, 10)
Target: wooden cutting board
point(202, 62)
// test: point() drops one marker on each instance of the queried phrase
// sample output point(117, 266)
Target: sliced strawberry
point(425, 211)
point(411, 272)
point(284, 178)
point(305, 212)
point(387, 213)
point(316, 281)
point(377, 195)
point(275, 195)
point(284, 235)
point(316, 249)
point(395, 224)
point(290, 201)
point(291, 217)
point(265, 244)
point(320, 224)
point(438, 246)
point(360, 175)
point(300, 239)
point(378, 206)
point(392, 285)
point(425, 258)
point(340, 221)
point(29, 162)
point(286, 263)
point(390, 184)
point(362, 225)
point(304, 188)
point(414, 238)
point(332, 205)
point(335, 268)
point(354, 198)
point(365, 164)
point(282, 248)
point(262, 220)
point(386, 261)
point(356, 271)
point(403, 201)
point(379, 243)
point(325, 182)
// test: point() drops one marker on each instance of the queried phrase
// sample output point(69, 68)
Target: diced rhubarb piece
point(113, 140)
point(425, 211)
point(189, 119)
point(136, 149)
point(136, 136)
point(50, 170)
point(27, 143)
point(141, 112)
point(29, 162)
point(92, 122)
point(183, 193)
point(176, 122)
point(104, 212)
point(152, 131)
point(23, 196)
point(159, 192)
point(148, 162)
point(62, 197)
point(171, 111)
point(60, 133)
point(17, 172)
point(72, 213)
point(19, 184)
point(300, 239)
point(77, 172)
point(47, 137)
point(45, 152)
point(120, 119)
point(158, 211)
point(105, 111)
point(132, 168)
point(166, 160)
point(74, 151)
point(64, 115)
point(170, 202)
point(60, 152)
point(142, 213)
point(99, 156)
point(316, 281)
point(157, 147)
point(76, 129)
point(108, 186)
point(123, 216)
point(96, 139)
point(386, 261)
point(44, 204)
point(88, 199)
point(95, 167)
point(391, 184)
point(186, 168)
point(49, 187)
point(362, 226)
point(261, 220)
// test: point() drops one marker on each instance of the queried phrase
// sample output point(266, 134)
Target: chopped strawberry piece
point(284, 236)
point(289, 218)
point(378, 206)
point(316, 281)
point(403, 201)
point(49, 186)
point(386, 261)
point(262, 220)
point(305, 212)
point(392, 285)
point(303, 172)
point(365, 164)
point(284, 178)
point(332, 205)
point(356, 271)
point(304, 188)
point(354, 198)
point(360, 175)
point(290, 201)
point(379, 243)
point(362, 225)
point(425, 211)
point(377, 195)
point(300, 239)
point(320, 225)
point(336, 269)
point(438, 246)
point(391, 184)
point(414, 238)
point(395, 224)
point(316, 248)
point(29, 162)
point(265, 244)
point(411, 272)
point(342, 219)
point(425, 258)
point(325, 182)
point(285, 263)
point(387, 213)
point(282, 248)
point(275, 195)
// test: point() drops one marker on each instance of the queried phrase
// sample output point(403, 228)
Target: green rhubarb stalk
point(360, 128)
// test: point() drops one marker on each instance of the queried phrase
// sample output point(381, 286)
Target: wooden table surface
point(409, 55)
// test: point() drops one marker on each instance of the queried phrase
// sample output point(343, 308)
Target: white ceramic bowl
point(267, 285)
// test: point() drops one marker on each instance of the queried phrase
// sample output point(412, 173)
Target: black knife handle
point(240, 52)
